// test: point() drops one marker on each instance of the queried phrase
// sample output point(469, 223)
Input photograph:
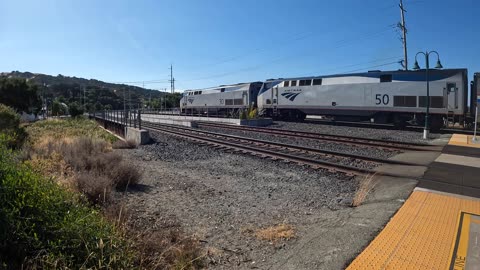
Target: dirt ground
point(224, 198)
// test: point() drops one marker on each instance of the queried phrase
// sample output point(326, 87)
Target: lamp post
point(426, 129)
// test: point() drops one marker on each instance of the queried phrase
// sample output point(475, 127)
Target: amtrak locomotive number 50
point(386, 97)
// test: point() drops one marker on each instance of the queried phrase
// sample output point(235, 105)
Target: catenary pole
point(404, 35)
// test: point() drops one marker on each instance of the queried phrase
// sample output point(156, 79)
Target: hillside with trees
point(73, 91)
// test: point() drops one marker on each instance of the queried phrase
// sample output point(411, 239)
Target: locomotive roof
point(373, 73)
point(221, 86)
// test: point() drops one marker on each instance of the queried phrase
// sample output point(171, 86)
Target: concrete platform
point(179, 119)
point(438, 227)
point(457, 169)
point(169, 121)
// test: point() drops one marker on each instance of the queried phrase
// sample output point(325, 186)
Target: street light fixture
point(426, 129)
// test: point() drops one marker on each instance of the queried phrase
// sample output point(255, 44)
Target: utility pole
point(84, 107)
point(165, 99)
point(44, 101)
point(404, 35)
point(172, 80)
point(129, 100)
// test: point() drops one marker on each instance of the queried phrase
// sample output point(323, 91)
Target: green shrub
point(45, 226)
point(252, 113)
point(9, 119)
point(243, 115)
point(75, 109)
point(12, 134)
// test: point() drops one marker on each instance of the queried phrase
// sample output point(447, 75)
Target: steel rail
point(298, 147)
point(350, 170)
point(329, 137)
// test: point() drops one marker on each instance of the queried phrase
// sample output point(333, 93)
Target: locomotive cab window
point(386, 78)
point(305, 82)
point(222, 90)
point(317, 81)
point(293, 83)
point(451, 87)
point(286, 83)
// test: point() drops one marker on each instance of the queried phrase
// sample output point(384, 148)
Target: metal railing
point(118, 120)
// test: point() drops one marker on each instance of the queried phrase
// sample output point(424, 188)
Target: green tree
point(20, 95)
point(58, 108)
point(75, 109)
point(98, 106)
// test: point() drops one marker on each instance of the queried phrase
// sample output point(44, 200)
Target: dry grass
point(160, 249)
point(366, 185)
point(68, 128)
point(275, 233)
point(96, 188)
point(124, 175)
point(165, 248)
point(83, 163)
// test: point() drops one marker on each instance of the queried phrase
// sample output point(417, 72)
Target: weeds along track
point(349, 164)
point(357, 141)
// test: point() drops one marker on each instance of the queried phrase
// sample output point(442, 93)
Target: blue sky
point(214, 42)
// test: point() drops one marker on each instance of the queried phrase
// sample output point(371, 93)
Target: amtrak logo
point(190, 100)
point(290, 96)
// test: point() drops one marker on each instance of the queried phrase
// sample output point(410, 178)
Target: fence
point(118, 121)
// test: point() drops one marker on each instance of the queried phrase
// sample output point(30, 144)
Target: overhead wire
point(352, 65)
point(343, 43)
point(367, 68)
point(338, 44)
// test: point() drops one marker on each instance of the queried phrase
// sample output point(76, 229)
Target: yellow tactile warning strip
point(421, 235)
point(464, 140)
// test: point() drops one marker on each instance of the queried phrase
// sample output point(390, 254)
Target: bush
point(75, 109)
point(125, 175)
point(243, 115)
point(98, 171)
point(12, 134)
point(9, 119)
point(252, 113)
point(96, 188)
point(43, 226)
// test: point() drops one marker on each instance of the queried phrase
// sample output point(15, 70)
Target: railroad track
point(385, 144)
point(315, 158)
point(384, 126)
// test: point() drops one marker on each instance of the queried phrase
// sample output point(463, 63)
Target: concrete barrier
point(139, 136)
point(190, 120)
point(161, 120)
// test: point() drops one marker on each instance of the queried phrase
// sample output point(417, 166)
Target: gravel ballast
point(223, 199)
point(361, 132)
point(324, 145)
